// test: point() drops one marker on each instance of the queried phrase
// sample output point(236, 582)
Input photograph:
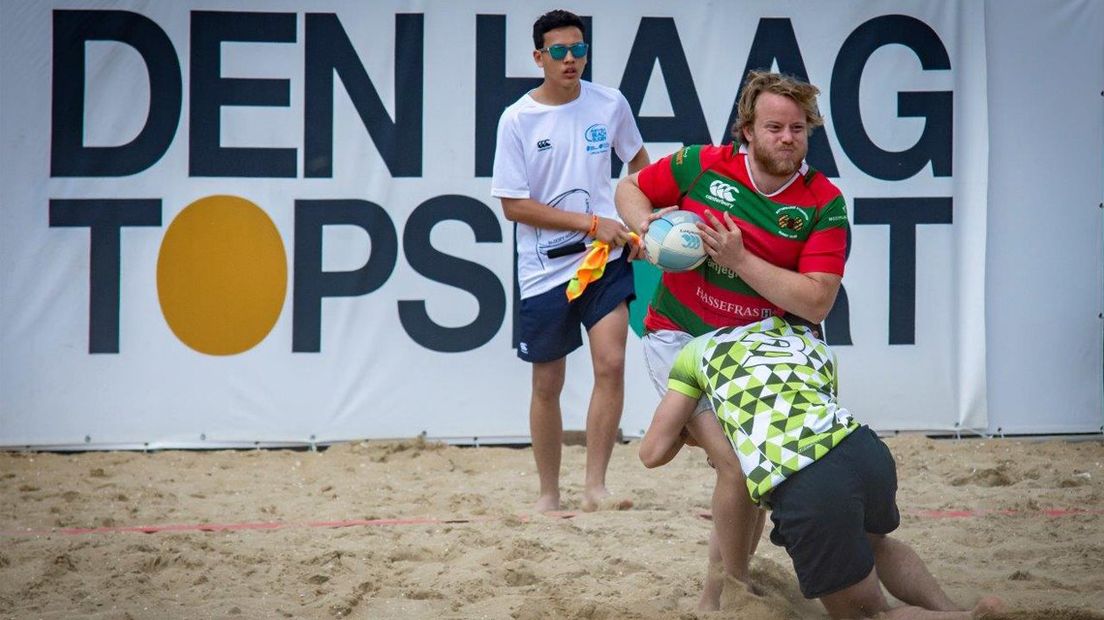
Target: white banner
point(270, 222)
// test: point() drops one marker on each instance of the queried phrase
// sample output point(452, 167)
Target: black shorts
point(550, 323)
point(823, 513)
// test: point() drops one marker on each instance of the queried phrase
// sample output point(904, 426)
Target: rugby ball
point(673, 242)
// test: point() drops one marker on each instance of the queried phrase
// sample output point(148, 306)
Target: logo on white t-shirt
point(597, 139)
point(544, 145)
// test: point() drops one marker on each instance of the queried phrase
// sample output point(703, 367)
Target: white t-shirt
point(559, 155)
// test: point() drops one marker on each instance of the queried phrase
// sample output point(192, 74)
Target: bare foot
point(604, 500)
point(736, 592)
point(710, 601)
point(711, 590)
point(987, 606)
point(547, 503)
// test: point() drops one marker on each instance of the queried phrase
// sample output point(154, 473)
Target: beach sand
point(409, 529)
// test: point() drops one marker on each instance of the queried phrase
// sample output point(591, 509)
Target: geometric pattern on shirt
point(773, 389)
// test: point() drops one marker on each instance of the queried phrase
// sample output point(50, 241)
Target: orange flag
point(594, 265)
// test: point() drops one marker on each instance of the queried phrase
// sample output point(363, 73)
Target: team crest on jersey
point(792, 222)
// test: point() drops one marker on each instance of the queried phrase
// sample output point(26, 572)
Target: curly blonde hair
point(759, 82)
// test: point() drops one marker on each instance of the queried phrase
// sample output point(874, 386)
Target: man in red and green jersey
point(796, 222)
point(776, 240)
point(800, 227)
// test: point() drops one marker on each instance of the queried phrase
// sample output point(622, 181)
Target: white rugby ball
point(673, 242)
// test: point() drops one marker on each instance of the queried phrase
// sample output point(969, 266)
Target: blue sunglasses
point(559, 51)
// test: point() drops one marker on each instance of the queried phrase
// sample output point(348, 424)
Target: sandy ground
point(416, 530)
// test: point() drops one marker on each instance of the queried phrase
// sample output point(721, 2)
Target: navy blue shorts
point(823, 513)
point(550, 323)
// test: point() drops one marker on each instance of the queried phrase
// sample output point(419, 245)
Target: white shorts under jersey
point(560, 156)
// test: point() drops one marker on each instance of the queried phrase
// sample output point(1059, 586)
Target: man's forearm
point(810, 296)
point(539, 215)
point(633, 206)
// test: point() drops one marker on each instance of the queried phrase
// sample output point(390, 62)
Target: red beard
point(780, 164)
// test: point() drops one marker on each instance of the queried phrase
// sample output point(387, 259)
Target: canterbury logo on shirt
point(544, 145)
point(722, 192)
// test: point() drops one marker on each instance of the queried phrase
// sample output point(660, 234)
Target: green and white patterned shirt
point(773, 387)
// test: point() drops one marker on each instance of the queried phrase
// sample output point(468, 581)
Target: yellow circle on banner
point(221, 275)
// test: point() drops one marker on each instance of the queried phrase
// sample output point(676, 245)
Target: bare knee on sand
point(988, 606)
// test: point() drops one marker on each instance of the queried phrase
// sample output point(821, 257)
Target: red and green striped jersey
point(802, 227)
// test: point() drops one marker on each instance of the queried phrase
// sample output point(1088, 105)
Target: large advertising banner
point(270, 222)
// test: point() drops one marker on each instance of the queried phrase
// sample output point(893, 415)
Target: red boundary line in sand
point(265, 525)
point(280, 525)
